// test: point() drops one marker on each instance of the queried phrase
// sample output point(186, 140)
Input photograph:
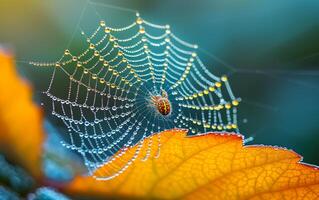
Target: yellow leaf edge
point(78, 187)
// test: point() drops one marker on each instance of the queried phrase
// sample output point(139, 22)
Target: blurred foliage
point(46, 193)
point(5, 194)
point(21, 130)
point(15, 177)
point(18, 180)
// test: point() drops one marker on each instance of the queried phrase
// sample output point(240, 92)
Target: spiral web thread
point(106, 107)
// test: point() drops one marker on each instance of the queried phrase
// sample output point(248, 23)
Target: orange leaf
point(21, 132)
point(212, 166)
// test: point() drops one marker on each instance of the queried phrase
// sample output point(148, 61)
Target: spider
point(161, 103)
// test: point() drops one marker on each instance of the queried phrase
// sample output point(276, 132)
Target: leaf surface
point(211, 166)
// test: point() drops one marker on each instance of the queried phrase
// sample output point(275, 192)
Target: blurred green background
point(269, 49)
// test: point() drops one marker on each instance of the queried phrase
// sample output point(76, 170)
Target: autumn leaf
point(211, 166)
point(21, 132)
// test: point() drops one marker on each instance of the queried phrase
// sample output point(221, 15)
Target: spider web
point(106, 105)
